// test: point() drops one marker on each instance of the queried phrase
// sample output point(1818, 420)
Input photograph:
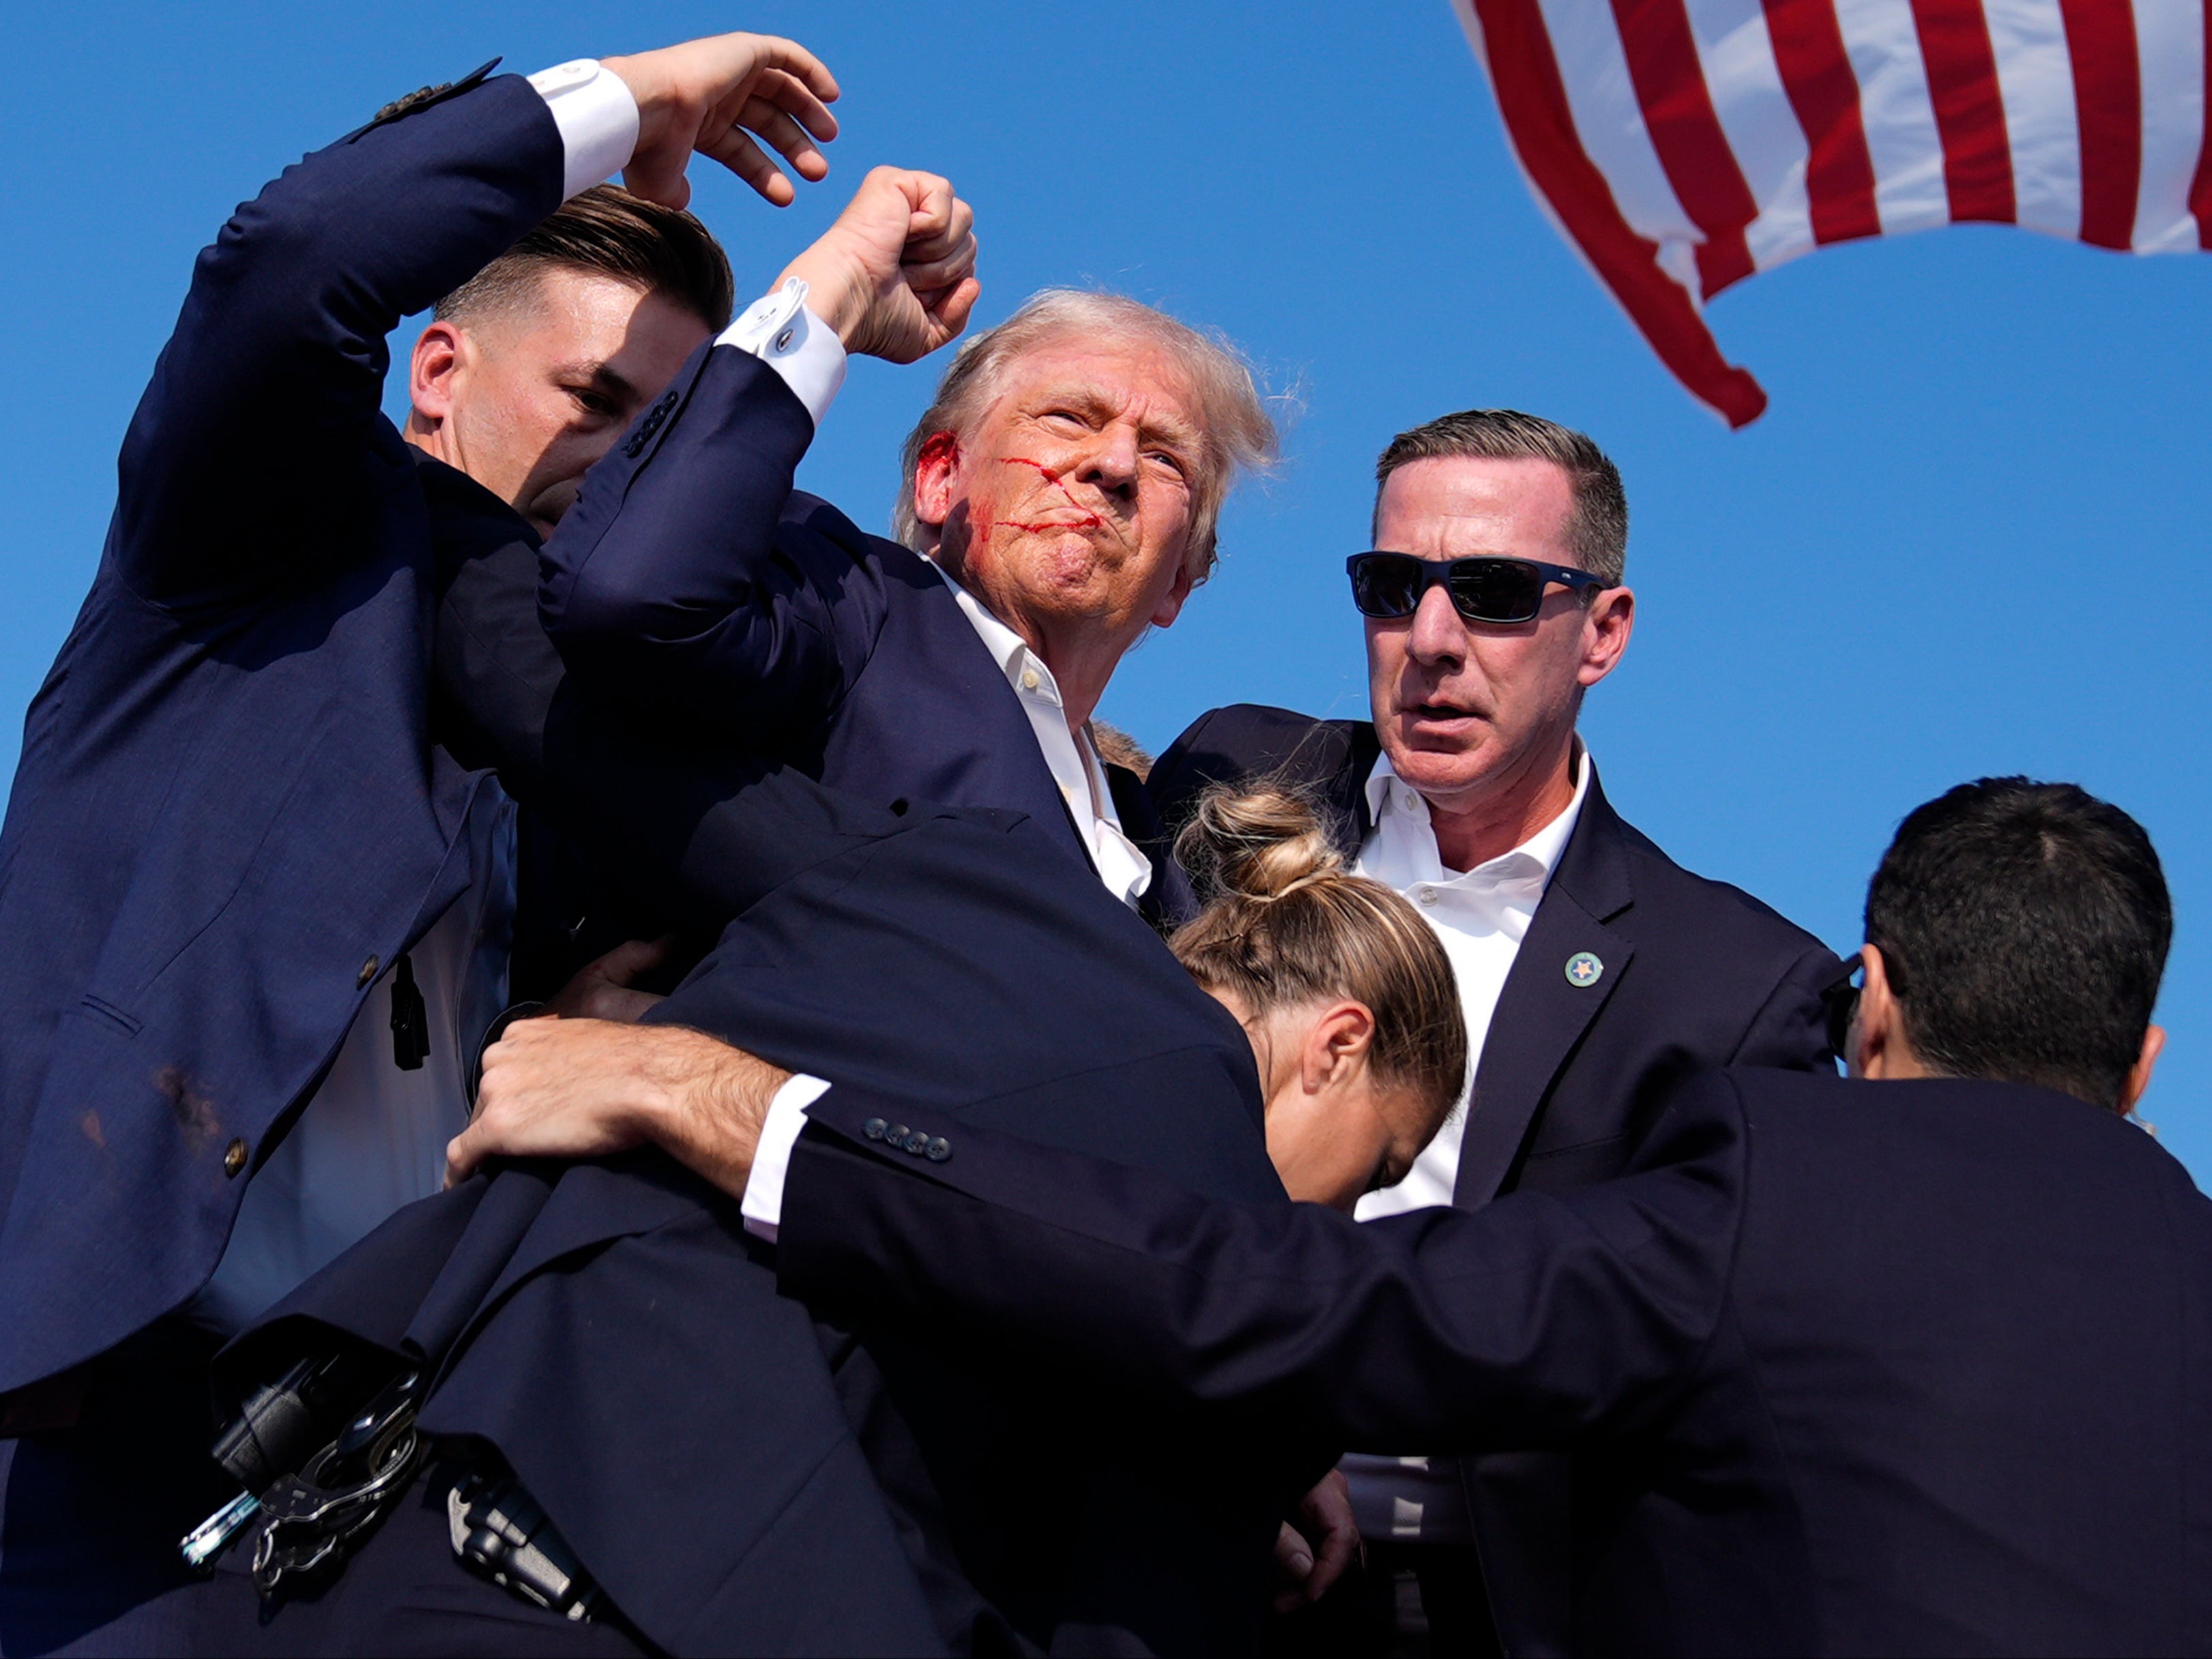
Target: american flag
point(1683, 144)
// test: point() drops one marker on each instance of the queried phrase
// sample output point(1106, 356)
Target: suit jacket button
point(915, 1142)
point(367, 972)
point(895, 1135)
point(234, 1158)
point(939, 1149)
point(873, 1128)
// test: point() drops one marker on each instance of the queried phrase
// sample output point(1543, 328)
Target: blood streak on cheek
point(1089, 521)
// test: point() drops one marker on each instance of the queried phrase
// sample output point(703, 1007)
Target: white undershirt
point(1481, 917)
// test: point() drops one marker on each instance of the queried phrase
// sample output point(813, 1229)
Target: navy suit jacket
point(608, 1329)
point(228, 811)
point(1841, 1367)
point(691, 580)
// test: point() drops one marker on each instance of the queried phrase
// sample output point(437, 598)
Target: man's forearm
point(708, 1102)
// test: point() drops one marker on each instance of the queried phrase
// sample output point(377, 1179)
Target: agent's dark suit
point(1843, 1367)
point(229, 809)
point(611, 1333)
point(1697, 974)
point(693, 582)
point(230, 813)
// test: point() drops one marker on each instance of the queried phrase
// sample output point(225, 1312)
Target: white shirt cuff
point(598, 119)
point(786, 1116)
point(779, 329)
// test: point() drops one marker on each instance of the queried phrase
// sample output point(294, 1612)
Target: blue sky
point(1968, 538)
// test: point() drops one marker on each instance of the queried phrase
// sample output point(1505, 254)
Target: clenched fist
point(895, 276)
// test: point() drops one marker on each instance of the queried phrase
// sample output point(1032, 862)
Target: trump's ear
point(1171, 603)
point(936, 471)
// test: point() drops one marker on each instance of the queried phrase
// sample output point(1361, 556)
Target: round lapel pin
point(1584, 971)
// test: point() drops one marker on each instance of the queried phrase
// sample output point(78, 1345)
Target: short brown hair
point(1597, 528)
point(1287, 922)
point(1238, 434)
point(607, 230)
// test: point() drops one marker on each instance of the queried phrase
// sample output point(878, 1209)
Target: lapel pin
point(1584, 971)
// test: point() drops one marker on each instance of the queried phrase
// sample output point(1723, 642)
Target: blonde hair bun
point(1257, 843)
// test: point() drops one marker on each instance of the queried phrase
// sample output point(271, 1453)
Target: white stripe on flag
point(1884, 47)
point(2035, 76)
point(1609, 122)
point(2170, 47)
point(1737, 56)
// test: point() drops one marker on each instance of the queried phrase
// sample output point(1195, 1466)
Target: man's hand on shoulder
point(588, 1088)
point(895, 275)
point(706, 96)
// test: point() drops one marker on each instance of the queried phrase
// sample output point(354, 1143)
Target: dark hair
point(2025, 927)
point(1597, 529)
point(1285, 923)
point(607, 230)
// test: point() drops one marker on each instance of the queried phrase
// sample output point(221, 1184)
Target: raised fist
point(895, 276)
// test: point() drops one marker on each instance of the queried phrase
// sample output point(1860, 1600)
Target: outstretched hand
point(895, 275)
point(707, 96)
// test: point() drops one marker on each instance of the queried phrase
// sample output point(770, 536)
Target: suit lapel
point(1542, 1012)
point(1344, 793)
point(1031, 787)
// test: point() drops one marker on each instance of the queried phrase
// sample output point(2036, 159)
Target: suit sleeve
point(1532, 1321)
point(1791, 1030)
point(672, 584)
point(259, 441)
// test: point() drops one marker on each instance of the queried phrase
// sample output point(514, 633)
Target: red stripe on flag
point(2200, 188)
point(1962, 85)
point(1533, 102)
point(2101, 39)
point(1816, 73)
point(1692, 148)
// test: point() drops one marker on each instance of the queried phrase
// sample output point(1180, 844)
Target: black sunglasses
point(1390, 586)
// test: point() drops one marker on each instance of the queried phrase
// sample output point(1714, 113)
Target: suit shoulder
point(1715, 907)
point(817, 517)
point(1248, 740)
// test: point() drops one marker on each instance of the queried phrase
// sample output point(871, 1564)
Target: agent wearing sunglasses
point(1594, 972)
